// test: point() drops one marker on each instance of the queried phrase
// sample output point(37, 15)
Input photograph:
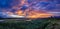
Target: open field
point(48, 23)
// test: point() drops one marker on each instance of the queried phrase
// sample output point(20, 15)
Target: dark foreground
point(48, 23)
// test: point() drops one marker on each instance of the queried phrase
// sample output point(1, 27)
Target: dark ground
point(46, 23)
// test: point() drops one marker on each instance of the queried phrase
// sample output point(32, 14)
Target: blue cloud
point(8, 3)
point(24, 7)
point(5, 3)
point(57, 1)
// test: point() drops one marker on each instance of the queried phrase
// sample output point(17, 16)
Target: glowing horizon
point(32, 8)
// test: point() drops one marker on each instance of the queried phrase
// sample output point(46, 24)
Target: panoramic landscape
point(29, 14)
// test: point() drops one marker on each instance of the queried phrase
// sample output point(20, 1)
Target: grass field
point(49, 23)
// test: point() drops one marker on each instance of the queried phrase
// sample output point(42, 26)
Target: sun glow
point(33, 14)
point(29, 12)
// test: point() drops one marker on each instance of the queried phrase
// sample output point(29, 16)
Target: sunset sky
point(29, 8)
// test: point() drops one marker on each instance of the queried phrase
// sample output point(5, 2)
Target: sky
point(25, 7)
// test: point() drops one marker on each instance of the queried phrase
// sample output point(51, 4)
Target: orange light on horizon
point(36, 14)
point(19, 12)
point(40, 16)
point(33, 14)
